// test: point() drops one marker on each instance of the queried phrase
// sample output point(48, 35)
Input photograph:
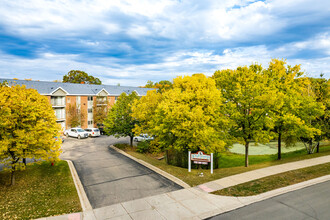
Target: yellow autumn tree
point(187, 117)
point(27, 128)
point(249, 101)
point(144, 111)
point(292, 104)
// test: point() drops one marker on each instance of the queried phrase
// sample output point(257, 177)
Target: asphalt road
point(309, 203)
point(109, 177)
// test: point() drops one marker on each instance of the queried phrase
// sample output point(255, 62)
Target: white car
point(143, 137)
point(93, 132)
point(76, 132)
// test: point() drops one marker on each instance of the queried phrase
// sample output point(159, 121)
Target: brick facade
point(62, 95)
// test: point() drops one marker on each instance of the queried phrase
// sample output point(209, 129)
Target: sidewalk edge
point(248, 200)
point(85, 204)
point(157, 170)
point(290, 188)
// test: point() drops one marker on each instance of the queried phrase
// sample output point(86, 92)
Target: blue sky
point(130, 42)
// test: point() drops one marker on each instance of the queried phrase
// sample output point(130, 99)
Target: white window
point(90, 122)
point(60, 113)
point(90, 110)
point(90, 98)
point(57, 100)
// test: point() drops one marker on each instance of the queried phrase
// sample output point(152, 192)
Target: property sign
point(199, 162)
point(200, 158)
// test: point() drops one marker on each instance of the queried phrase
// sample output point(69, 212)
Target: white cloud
point(185, 36)
point(90, 43)
point(243, 23)
point(137, 31)
point(319, 43)
point(210, 20)
point(50, 66)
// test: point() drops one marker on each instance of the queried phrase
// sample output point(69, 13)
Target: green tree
point(186, 117)
point(150, 84)
point(312, 113)
point(282, 78)
point(162, 85)
point(27, 128)
point(248, 104)
point(321, 90)
point(119, 121)
point(77, 76)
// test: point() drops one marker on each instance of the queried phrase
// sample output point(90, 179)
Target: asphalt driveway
point(109, 177)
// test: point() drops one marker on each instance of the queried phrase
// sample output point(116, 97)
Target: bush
point(143, 147)
point(177, 158)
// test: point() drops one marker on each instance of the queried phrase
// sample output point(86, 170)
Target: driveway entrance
point(109, 177)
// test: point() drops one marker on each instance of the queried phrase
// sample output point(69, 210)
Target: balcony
point(101, 101)
point(58, 101)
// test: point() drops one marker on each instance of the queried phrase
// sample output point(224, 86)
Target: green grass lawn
point(230, 164)
point(276, 181)
point(235, 160)
point(269, 148)
point(40, 190)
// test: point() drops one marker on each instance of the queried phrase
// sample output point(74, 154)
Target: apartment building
point(83, 96)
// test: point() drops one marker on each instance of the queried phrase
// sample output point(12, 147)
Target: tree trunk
point(246, 154)
point(167, 157)
point(24, 161)
point(12, 179)
point(131, 141)
point(318, 147)
point(310, 144)
point(279, 155)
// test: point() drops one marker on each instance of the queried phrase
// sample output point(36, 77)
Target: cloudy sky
point(132, 41)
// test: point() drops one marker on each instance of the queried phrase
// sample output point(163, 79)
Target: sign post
point(189, 161)
point(211, 163)
point(200, 158)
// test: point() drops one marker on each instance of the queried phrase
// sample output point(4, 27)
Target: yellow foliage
point(187, 117)
point(27, 127)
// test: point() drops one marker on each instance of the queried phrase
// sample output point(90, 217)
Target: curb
point(287, 189)
point(85, 204)
point(248, 200)
point(157, 170)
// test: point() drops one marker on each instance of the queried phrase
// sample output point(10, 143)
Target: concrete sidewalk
point(197, 203)
point(260, 173)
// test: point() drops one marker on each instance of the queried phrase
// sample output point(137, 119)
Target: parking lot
point(109, 177)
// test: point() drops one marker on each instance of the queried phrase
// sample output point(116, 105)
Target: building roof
point(48, 88)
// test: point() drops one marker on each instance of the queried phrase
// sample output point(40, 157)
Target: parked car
point(93, 132)
point(101, 128)
point(76, 132)
point(143, 137)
